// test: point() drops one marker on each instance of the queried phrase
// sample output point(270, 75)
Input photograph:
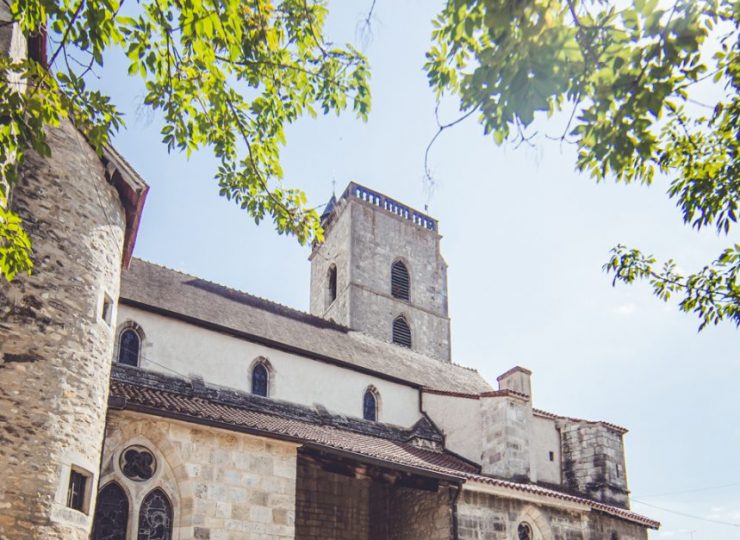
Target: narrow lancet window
point(155, 517)
point(332, 285)
point(400, 281)
point(370, 406)
point(401, 332)
point(259, 380)
point(129, 347)
point(111, 514)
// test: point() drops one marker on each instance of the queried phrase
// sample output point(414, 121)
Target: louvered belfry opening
point(401, 332)
point(400, 281)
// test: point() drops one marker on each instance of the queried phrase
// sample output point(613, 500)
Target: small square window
point(77, 490)
point(551, 455)
point(107, 311)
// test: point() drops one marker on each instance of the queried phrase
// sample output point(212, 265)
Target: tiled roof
point(136, 389)
point(553, 416)
point(193, 401)
point(547, 492)
point(153, 287)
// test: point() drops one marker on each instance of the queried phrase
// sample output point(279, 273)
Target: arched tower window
point(331, 285)
point(400, 281)
point(370, 405)
point(260, 378)
point(155, 517)
point(401, 332)
point(129, 347)
point(111, 514)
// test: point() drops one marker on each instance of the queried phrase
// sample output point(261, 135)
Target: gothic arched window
point(260, 378)
point(332, 284)
point(400, 281)
point(155, 517)
point(370, 405)
point(401, 332)
point(111, 514)
point(129, 347)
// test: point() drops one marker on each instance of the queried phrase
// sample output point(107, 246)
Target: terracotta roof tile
point(157, 394)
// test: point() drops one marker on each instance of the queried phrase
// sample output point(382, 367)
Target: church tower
point(380, 271)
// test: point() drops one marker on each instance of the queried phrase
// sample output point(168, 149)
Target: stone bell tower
point(81, 211)
point(380, 271)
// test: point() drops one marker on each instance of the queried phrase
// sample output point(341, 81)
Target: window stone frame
point(136, 327)
point(264, 361)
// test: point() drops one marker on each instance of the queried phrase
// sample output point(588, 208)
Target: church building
point(139, 402)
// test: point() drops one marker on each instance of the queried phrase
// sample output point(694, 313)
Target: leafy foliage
point(625, 72)
point(225, 74)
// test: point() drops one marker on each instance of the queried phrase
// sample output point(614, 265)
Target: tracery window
point(260, 378)
point(138, 463)
point(332, 284)
point(155, 517)
point(129, 346)
point(400, 281)
point(401, 332)
point(370, 406)
point(524, 531)
point(111, 514)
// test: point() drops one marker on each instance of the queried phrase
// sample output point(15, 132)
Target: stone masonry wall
point(416, 514)
point(342, 507)
point(593, 461)
point(489, 517)
point(330, 505)
point(363, 242)
point(377, 240)
point(223, 485)
point(334, 251)
point(506, 430)
point(55, 346)
point(373, 314)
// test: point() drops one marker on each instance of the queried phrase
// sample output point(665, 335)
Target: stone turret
point(380, 271)
point(593, 460)
point(56, 334)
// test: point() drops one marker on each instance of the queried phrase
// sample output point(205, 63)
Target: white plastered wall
point(175, 347)
point(545, 439)
point(459, 419)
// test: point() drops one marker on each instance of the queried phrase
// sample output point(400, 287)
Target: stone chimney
point(517, 379)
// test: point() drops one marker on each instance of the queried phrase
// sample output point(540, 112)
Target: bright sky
point(525, 238)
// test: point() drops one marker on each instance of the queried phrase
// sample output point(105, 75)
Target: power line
point(691, 516)
point(693, 490)
point(165, 367)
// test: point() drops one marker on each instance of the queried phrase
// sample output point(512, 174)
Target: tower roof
point(329, 209)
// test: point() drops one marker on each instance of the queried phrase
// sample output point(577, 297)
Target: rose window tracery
point(138, 463)
point(524, 532)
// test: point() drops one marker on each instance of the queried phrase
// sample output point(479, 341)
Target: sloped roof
point(156, 288)
point(154, 393)
point(193, 401)
point(133, 191)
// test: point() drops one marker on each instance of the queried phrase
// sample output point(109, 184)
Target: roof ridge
point(327, 323)
point(240, 291)
point(554, 416)
point(564, 495)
